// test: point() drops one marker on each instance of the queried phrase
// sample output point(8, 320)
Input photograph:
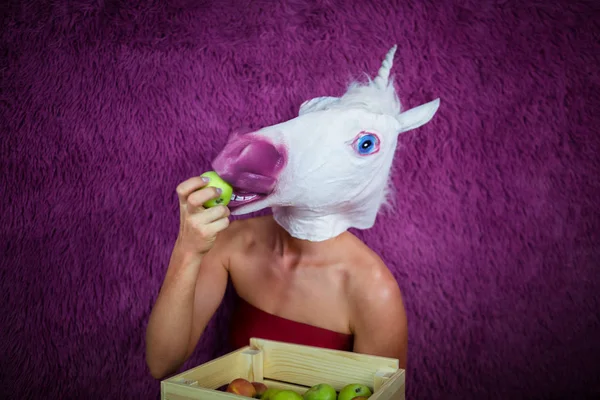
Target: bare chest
point(311, 294)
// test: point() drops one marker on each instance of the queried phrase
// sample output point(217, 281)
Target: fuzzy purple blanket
point(107, 105)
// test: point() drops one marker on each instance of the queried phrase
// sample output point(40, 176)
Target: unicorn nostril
point(250, 163)
point(260, 158)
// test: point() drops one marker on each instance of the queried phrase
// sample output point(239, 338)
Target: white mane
point(372, 98)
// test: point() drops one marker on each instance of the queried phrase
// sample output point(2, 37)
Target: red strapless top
point(249, 321)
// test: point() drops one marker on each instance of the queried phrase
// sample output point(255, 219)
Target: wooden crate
point(287, 366)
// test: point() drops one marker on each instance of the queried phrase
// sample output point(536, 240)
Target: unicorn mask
point(327, 169)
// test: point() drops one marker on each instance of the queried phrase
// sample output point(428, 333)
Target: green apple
point(322, 391)
point(269, 394)
point(218, 182)
point(354, 390)
point(287, 395)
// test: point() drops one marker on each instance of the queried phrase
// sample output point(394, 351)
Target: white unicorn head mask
point(327, 169)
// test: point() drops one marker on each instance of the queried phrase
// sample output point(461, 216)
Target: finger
point(215, 213)
point(217, 226)
point(196, 200)
point(211, 215)
point(187, 187)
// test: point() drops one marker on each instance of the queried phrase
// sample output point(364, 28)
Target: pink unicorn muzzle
point(251, 165)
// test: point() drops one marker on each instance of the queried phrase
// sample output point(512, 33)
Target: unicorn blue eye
point(367, 144)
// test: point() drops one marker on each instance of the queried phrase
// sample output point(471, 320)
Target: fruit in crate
point(287, 395)
point(269, 394)
point(350, 392)
point(322, 391)
point(261, 388)
point(360, 398)
point(242, 387)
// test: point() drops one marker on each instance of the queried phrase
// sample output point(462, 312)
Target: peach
point(260, 388)
point(242, 387)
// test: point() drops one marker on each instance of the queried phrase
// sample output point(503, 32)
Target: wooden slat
point(308, 366)
point(217, 372)
point(285, 386)
point(179, 391)
point(393, 387)
point(382, 375)
point(253, 366)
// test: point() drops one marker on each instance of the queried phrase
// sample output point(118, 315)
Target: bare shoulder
point(377, 313)
point(369, 270)
point(367, 264)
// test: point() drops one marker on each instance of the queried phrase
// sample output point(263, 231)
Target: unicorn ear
point(418, 116)
point(316, 104)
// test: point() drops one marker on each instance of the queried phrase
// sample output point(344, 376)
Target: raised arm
point(194, 284)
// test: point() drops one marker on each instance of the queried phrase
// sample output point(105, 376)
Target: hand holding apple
point(217, 182)
point(199, 226)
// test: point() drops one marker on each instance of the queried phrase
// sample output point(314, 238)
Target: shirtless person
point(321, 173)
point(337, 284)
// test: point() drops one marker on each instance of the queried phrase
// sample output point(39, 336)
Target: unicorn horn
point(384, 71)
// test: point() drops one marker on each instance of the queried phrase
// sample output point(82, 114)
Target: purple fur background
point(495, 233)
